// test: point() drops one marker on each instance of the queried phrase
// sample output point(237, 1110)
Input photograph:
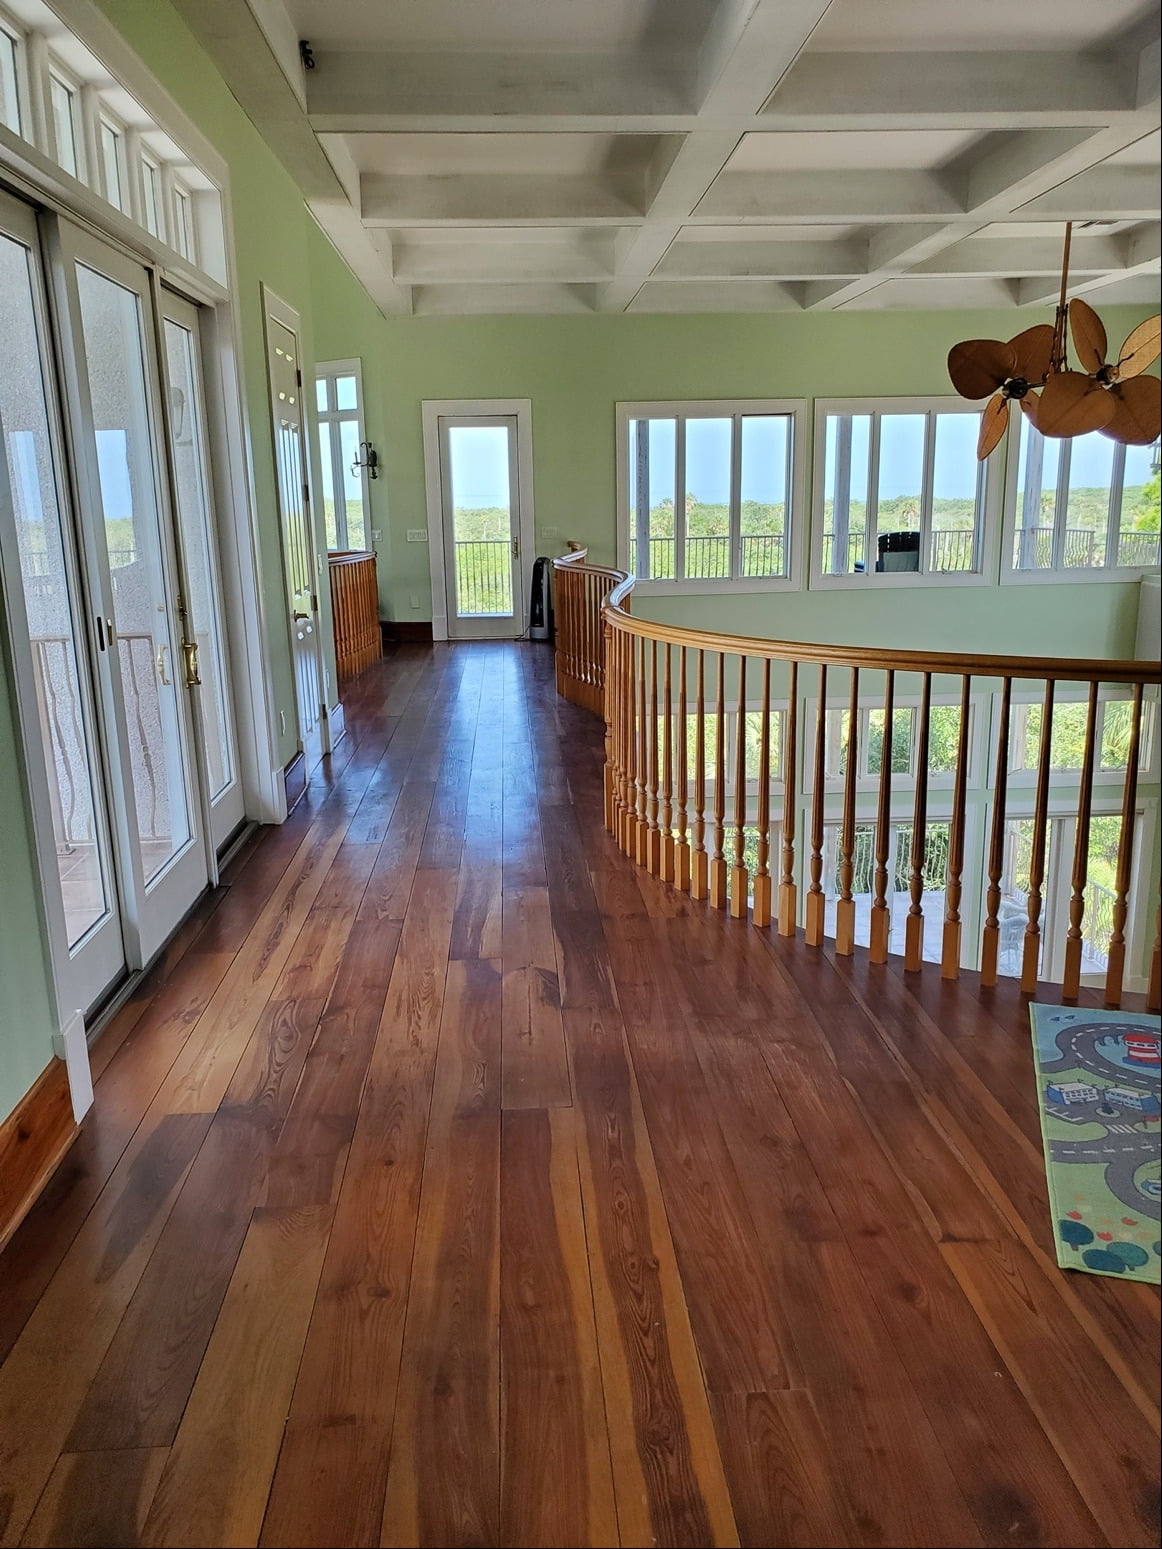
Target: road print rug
point(1098, 1086)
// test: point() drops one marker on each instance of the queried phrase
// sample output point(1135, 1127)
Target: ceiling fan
point(1032, 369)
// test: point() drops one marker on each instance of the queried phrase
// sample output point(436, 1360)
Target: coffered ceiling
point(473, 156)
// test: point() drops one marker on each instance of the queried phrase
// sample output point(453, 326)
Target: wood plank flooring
point(453, 1182)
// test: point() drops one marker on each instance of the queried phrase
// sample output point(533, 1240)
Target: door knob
point(190, 652)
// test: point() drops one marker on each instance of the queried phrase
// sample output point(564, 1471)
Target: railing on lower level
point(354, 611)
point(483, 577)
point(989, 812)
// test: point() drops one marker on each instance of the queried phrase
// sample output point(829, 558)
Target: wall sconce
point(367, 457)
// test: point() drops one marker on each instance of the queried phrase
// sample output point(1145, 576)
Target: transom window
point(1085, 504)
point(708, 491)
point(899, 491)
point(339, 401)
point(58, 96)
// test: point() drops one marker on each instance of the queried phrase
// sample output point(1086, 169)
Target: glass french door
point(203, 645)
point(480, 504)
point(44, 604)
point(111, 592)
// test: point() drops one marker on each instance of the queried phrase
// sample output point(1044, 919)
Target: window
point(184, 223)
point(1083, 505)
point(9, 81)
point(338, 398)
point(152, 197)
point(708, 492)
point(63, 99)
point(112, 171)
point(1067, 737)
point(899, 492)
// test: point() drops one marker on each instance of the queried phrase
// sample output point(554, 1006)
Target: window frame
point(331, 370)
point(990, 485)
point(60, 75)
point(12, 29)
point(795, 409)
point(1056, 574)
point(107, 120)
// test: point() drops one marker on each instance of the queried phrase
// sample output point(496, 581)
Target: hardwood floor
point(453, 1182)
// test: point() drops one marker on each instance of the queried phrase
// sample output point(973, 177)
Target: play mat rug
point(1098, 1086)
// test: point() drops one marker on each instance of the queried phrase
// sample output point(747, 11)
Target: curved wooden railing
point(579, 593)
point(944, 806)
point(354, 611)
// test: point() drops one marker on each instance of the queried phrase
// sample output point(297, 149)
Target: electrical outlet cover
point(417, 535)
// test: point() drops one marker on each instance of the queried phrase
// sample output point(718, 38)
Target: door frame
point(280, 311)
point(435, 409)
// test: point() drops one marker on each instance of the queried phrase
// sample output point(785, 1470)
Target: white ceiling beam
point(753, 45)
point(1010, 89)
point(1101, 193)
point(254, 71)
point(1142, 256)
point(483, 300)
point(764, 260)
point(369, 90)
point(832, 197)
point(579, 261)
point(497, 198)
point(718, 296)
point(1025, 256)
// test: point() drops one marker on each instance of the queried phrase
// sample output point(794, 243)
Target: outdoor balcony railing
point(985, 812)
point(484, 577)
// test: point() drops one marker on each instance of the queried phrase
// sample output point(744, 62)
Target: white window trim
point(904, 781)
point(60, 72)
point(433, 410)
point(110, 121)
point(332, 369)
point(1074, 694)
point(989, 551)
point(794, 519)
point(146, 160)
point(1011, 575)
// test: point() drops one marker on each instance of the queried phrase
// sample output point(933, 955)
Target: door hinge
point(298, 377)
point(306, 493)
point(516, 548)
point(314, 603)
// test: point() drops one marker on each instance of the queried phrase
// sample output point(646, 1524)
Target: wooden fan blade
point(1089, 335)
point(1140, 350)
point(1073, 404)
point(1030, 404)
point(1137, 417)
point(992, 425)
point(979, 366)
point(1033, 350)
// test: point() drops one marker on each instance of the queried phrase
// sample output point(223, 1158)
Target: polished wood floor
point(453, 1182)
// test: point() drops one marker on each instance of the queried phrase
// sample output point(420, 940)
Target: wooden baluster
point(653, 832)
point(682, 848)
point(761, 906)
point(991, 933)
point(739, 877)
point(641, 836)
point(1075, 936)
point(880, 924)
point(608, 699)
point(1031, 945)
point(914, 925)
point(1116, 965)
point(788, 893)
point(628, 710)
point(845, 904)
point(816, 904)
point(699, 866)
point(1154, 983)
point(718, 858)
point(954, 888)
point(667, 860)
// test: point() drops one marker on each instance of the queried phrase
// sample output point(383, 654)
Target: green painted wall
point(576, 369)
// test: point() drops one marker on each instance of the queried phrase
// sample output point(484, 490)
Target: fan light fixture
point(1112, 397)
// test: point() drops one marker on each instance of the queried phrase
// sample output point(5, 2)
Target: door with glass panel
point(114, 390)
point(45, 607)
point(480, 506)
point(203, 647)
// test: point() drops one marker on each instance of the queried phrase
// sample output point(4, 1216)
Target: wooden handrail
point(960, 858)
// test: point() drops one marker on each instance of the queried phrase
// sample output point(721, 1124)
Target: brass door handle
point(302, 618)
point(190, 653)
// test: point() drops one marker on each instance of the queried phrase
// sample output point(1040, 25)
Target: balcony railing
point(955, 550)
point(721, 750)
point(708, 559)
point(484, 577)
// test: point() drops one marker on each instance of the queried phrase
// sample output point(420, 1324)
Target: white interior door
point(203, 643)
point(286, 394)
point(480, 501)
